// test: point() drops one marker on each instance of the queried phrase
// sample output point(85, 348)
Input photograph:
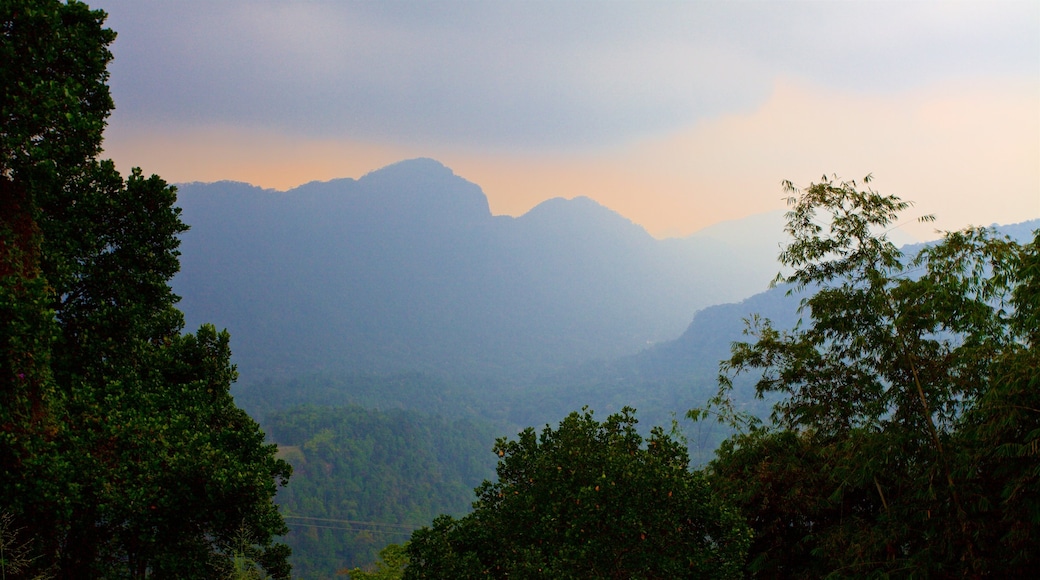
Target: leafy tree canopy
point(587, 500)
point(393, 559)
point(906, 439)
point(122, 453)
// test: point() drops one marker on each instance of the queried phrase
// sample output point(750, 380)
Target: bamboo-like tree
point(873, 460)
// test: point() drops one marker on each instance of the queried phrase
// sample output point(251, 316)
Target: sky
point(677, 115)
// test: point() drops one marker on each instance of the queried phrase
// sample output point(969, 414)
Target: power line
point(299, 527)
point(403, 527)
point(339, 521)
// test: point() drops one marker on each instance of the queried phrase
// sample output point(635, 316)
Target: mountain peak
point(425, 189)
point(419, 167)
point(583, 213)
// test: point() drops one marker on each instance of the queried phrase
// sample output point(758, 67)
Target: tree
point(1001, 435)
point(882, 390)
point(393, 559)
point(587, 500)
point(122, 452)
point(53, 104)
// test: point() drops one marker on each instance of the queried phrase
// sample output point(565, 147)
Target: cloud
point(535, 76)
point(964, 152)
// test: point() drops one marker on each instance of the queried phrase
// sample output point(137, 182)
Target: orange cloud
point(969, 153)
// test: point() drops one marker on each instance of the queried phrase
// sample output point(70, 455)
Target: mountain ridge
point(407, 266)
point(329, 277)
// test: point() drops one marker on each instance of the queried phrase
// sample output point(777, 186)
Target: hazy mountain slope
point(674, 376)
point(406, 269)
point(713, 329)
point(691, 361)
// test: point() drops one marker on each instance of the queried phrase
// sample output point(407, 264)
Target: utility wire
point(306, 519)
point(376, 531)
point(407, 526)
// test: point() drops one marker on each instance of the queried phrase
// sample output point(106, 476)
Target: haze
point(676, 115)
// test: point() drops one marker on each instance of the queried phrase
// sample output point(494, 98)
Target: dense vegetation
point(363, 478)
point(660, 383)
point(587, 500)
point(427, 393)
point(906, 440)
point(122, 454)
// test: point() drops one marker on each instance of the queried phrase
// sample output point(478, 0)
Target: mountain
point(403, 281)
point(406, 269)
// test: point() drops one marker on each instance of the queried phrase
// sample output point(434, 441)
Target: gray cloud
point(533, 74)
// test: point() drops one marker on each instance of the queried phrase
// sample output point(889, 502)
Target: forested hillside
point(365, 478)
point(414, 391)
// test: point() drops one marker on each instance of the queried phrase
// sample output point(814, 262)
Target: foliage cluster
point(587, 500)
point(122, 453)
point(905, 441)
point(393, 559)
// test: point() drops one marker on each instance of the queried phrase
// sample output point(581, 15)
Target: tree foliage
point(393, 559)
point(587, 500)
point(886, 454)
point(123, 454)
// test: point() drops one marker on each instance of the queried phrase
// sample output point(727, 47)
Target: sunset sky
point(675, 114)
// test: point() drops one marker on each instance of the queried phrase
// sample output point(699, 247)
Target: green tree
point(1001, 436)
point(54, 100)
point(587, 500)
point(880, 389)
point(393, 560)
point(122, 452)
